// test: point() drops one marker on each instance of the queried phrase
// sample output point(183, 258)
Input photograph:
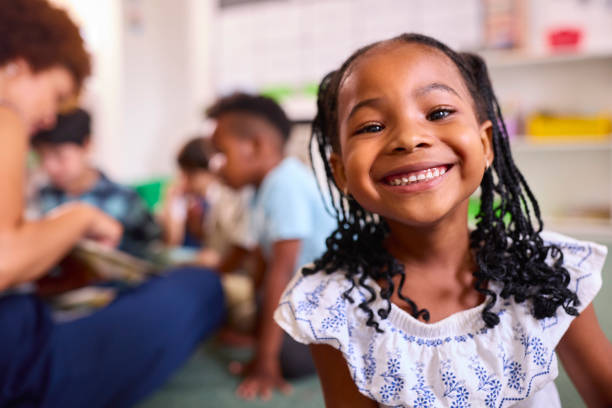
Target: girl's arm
point(339, 390)
point(29, 249)
point(264, 373)
point(586, 355)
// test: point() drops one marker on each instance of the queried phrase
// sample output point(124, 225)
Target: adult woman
point(115, 356)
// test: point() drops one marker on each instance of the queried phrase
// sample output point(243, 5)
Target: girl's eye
point(370, 128)
point(439, 114)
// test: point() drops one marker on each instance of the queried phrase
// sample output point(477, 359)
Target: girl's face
point(411, 147)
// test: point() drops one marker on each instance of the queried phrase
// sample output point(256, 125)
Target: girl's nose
point(407, 138)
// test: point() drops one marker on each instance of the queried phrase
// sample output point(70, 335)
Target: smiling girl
point(408, 306)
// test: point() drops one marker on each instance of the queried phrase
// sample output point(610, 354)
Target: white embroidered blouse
point(456, 362)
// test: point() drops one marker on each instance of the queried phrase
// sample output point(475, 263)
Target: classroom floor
point(205, 382)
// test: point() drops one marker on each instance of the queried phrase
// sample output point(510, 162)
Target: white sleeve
point(584, 261)
point(314, 310)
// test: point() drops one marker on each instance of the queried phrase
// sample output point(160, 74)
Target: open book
point(91, 263)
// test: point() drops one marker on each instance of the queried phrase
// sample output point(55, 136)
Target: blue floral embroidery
point(337, 317)
point(311, 303)
point(425, 397)
point(574, 249)
point(533, 346)
point(369, 364)
point(513, 372)
point(420, 341)
point(454, 389)
point(548, 322)
point(394, 381)
point(486, 382)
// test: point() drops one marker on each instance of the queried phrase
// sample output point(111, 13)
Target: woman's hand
point(104, 229)
point(100, 227)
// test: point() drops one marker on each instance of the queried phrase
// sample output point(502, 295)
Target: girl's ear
point(486, 138)
point(338, 170)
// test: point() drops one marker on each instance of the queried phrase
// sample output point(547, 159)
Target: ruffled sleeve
point(584, 261)
point(314, 310)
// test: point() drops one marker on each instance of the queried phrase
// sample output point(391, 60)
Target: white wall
point(151, 79)
point(165, 83)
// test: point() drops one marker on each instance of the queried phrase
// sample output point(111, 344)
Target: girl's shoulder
point(309, 296)
point(448, 363)
point(580, 258)
point(584, 261)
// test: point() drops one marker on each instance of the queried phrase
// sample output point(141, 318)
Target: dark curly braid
point(510, 253)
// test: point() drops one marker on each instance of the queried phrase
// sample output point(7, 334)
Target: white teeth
point(427, 175)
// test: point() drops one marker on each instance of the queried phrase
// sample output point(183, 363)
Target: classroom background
point(158, 63)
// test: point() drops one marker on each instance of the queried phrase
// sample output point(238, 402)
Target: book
point(90, 263)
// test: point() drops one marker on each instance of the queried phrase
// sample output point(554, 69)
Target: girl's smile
point(416, 177)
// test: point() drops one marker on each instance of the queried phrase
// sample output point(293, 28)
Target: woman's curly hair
point(508, 248)
point(44, 36)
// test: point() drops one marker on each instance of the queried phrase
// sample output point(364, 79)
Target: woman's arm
point(29, 249)
point(586, 355)
point(339, 390)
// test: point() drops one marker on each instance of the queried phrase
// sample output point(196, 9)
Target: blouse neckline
point(466, 320)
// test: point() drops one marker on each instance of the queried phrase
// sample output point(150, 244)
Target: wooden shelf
point(517, 59)
point(584, 228)
point(521, 144)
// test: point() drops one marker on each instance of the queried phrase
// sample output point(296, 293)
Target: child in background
point(185, 203)
point(288, 222)
point(64, 156)
point(408, 307)
point(199, 211)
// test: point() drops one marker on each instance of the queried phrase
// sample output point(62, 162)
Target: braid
point(510, 253)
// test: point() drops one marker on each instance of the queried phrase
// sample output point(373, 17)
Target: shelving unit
point(513, 59)
point(523, 145)
point(572, 179)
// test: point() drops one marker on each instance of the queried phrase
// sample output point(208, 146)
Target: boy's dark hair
point(512, 255)
point(44, 36)
point(261, 106)
point(193, 155)
point(72, 127)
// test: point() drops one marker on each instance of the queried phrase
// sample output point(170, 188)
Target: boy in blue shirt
point(64, 157)
point(288, 222)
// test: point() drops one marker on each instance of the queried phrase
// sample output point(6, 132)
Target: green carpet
point(205, 382)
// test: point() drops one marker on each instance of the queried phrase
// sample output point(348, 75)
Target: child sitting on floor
point(64, 156)
point(288, 223)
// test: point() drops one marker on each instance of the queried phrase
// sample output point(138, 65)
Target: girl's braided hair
point(510, 253)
